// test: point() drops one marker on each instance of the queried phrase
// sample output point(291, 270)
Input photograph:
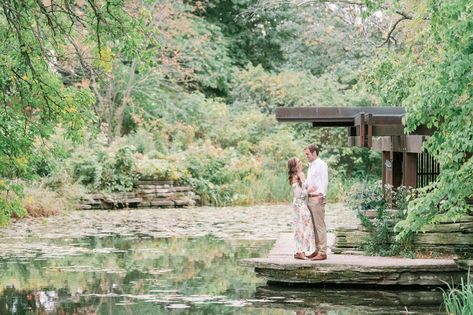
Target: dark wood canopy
point(377, 128)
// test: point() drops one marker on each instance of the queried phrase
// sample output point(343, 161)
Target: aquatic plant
point(459, 300)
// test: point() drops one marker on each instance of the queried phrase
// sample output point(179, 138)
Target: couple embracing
point(310, 233)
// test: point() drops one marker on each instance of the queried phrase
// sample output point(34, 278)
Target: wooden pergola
point(377, 128)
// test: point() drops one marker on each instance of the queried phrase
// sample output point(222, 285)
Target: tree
point(252, 38)
point(431, 77)
point(43, 45)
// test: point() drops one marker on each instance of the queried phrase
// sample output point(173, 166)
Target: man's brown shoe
point(319, 256)
point(313, 254)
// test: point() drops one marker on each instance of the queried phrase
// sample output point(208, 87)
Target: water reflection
point(354, 300)
point(114, 275)
point(133, 275)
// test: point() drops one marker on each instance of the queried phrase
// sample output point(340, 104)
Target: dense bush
point(107, 170)
point(10, 201)
point(159, 169)
point(382, 235)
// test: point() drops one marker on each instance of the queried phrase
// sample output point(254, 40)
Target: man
point(317, 183)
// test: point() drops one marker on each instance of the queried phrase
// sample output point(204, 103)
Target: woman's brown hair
point(292, 169)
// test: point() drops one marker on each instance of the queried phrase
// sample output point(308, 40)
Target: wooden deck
point(281, 267)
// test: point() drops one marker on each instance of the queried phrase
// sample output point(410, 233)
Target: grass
point(270, 188)
point(274, 188)
point(459, 300)
point(40, 201)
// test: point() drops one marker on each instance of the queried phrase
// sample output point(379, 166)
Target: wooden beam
point(332, 123)
point(398, 130)
point(379, 119)
point(414, 143)
point(345, 114)
point(388, 130)
point(410, 144)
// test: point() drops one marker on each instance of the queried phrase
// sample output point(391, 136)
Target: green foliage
point(432, 78)
point(382, 241)
point(335, 43)
point(37, 41)
point(119, 170)
point(210, 174)
point(98, 169)
point(252, 38)
point(87, 170)
point(158, 169)
point(10, 201)
point(269, 186)
point(352, 162)
point(254, 87)
point(191, 85)
point(458, 300)
point(33, 46)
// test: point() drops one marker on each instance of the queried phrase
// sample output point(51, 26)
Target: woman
point(303, 226)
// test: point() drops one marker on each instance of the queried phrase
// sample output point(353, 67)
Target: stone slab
point(162, 203)
point(184, 202)
point(123, 201)
point(281, 267)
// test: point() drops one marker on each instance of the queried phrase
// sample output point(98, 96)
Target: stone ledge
point(281, 267)
point(148, 194)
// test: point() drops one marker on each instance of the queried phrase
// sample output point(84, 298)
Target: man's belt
point(315, 195)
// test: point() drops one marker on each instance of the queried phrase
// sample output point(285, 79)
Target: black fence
point(427, 169)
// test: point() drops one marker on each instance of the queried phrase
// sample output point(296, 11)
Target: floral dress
point(303, 226)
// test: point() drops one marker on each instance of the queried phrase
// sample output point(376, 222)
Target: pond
point(177, 261)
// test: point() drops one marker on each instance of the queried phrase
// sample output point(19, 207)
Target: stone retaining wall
point(147, 194)
point(446, 238)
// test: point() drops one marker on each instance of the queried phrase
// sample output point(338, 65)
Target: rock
point(182, 188)
point(450, 227)
point(161, 203)
point(444, 238)
point(142, 191)
point(466, 264)
point(184, 202)
point(149, 193)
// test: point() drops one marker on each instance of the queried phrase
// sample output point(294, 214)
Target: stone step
point(450, 227)
point(444, 239)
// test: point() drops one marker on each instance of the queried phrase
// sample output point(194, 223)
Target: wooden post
point(370, 130)
point(410, 170)
point(362, 129)
point(387, 168)
point(397, 169)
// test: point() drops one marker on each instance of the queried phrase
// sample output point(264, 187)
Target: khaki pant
point(317, 210)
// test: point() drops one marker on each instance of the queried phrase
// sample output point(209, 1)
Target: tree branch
point(391, 31)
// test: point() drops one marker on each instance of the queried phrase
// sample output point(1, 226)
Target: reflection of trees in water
point(17, 302)
point(41, 301)
point(203, 265)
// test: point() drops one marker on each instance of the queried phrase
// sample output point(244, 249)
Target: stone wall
point(147, 194)
point(446, 237)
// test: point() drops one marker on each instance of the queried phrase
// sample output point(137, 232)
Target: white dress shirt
point(317, 176)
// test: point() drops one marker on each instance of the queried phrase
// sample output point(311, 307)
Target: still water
point(83, 266)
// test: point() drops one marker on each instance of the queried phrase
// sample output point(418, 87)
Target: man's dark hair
point(313, 147)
